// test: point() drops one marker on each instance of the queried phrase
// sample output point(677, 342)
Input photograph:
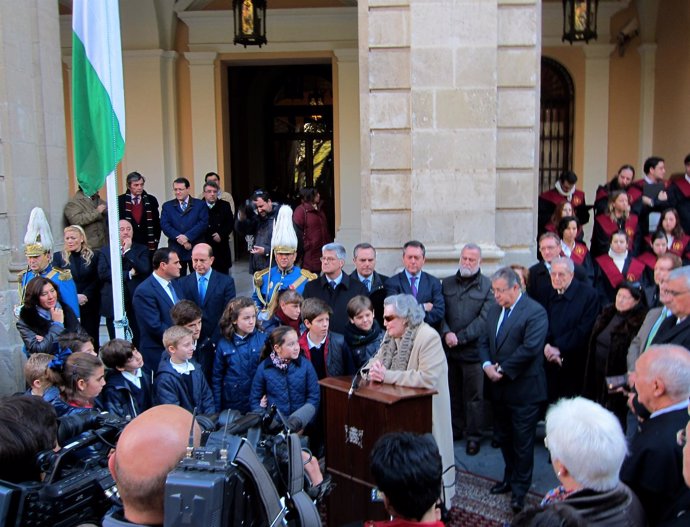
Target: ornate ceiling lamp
point(580, 20)
point(250, 22)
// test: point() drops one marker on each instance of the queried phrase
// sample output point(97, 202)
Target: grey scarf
point(396, 352)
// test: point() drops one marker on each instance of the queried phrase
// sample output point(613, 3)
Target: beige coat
point(427, 368)
point(81, 210)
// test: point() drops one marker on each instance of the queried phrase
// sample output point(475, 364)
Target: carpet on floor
point(474, 506)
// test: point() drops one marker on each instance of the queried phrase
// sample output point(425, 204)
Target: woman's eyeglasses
point(390, 318)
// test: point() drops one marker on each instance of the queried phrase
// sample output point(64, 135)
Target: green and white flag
point(98, 101)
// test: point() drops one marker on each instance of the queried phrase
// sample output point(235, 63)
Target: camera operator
point(149, 447)
point(407, 469)
point(27, 426)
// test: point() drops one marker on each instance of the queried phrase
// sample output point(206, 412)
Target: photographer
point(27, 426)
point(149, 447)
point(255, 220)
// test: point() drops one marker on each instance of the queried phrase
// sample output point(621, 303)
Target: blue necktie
point(367, 284)
point(175, 298)
point(413, 285)
point(332, 284)
point(183, 205)
point(202, 288)
point(506, 314)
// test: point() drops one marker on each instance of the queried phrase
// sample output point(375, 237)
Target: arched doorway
point(556, 122)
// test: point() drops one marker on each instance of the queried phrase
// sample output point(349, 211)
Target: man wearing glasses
point(654, 469)
point(676, 328)
point(335, 287)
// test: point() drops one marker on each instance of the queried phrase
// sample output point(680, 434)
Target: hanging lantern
point(580, 20)
point(250, 22)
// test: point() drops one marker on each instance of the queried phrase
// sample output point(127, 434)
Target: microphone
point(355, 380)
point(301, 417)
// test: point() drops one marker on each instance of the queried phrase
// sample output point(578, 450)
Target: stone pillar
point(150, 103)
point(203, 100)
point(33, 158)
point(596, 133)
point(647, 80)
point(450, 127)
point(347, 152)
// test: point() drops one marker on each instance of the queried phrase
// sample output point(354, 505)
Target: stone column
point(647, 79)
point(596, 133)
point(347, 152)
point(203, 99)
point(33, 165)
point(450, 126)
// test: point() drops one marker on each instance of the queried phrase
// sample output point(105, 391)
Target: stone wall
point(449, 93)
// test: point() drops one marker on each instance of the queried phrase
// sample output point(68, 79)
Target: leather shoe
point(517, 504)
point(500, 488)
point(472, 448)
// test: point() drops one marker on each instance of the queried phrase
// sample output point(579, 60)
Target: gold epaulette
point(259, 277)
point(308, 274)
point(63, 274)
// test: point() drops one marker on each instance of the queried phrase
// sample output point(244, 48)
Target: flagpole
point(115, 257)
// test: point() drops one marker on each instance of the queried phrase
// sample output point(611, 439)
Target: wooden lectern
point(353, 424)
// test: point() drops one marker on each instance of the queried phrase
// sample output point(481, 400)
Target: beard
point(466, 272)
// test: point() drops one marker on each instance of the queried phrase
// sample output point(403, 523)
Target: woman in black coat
point(611, 336)
point(82, 261)
point(44, 317)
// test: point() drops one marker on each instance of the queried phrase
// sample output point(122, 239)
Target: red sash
point(679, 247)
point(610, 227)
point(579, 253)
point(683, 186)
point(633, 192)
point(553, 196)
point(614, 276)
point(649, 259)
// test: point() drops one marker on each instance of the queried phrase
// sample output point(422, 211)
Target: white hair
point(671, 364)
point(407, 307)
point(588, 440)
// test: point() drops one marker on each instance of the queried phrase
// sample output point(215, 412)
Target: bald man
point(149, 448)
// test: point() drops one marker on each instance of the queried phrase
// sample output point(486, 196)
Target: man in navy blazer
point(511, 352)
point(217, 290)
point(153, 300)
point(428, 288)
point(184, 221)
point(676, 328)
point(364, 257)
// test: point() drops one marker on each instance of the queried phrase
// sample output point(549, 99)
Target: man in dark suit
point(511, 354)
point(413, 281)
point(539, 285)
point(209, 289)
point(141, 210)
point(136, 267)
point(334, 286)
point(220, 223)
point(676, 328)
point(184, 221)
point(572, 308)
point(364, 257)
point(654, 468)
point(153, 300)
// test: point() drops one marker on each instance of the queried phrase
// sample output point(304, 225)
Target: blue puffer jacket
point(288, 389)
point(233, 370)
point(169, 388)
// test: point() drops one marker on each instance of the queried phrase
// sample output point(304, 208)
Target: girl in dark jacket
point(44, 317)
point(237, 355)
point(608, 346)
point(82, 261)
point(80, 378)
point(363, 334)
point(284, 377)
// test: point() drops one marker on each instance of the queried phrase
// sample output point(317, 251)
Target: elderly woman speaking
point(411, 354)
point(587, 448)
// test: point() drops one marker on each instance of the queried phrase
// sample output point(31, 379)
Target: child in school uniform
point(179, 379)
point(128, 389)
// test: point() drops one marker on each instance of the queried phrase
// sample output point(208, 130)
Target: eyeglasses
point(681, 437)
point(674, 294)
point(390, 318)
point(328, 259)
